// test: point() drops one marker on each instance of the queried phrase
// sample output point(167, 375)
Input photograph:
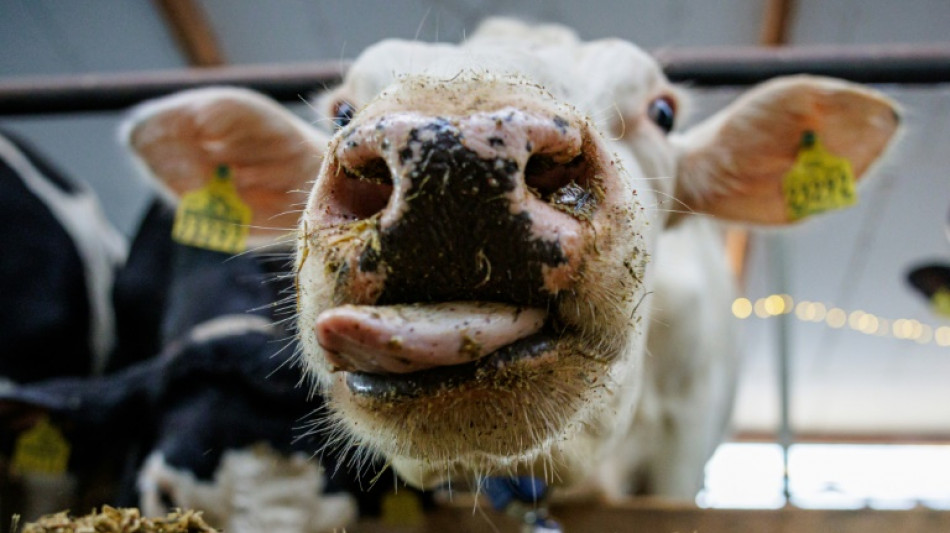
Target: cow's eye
point(662, 112)
point(343, 113)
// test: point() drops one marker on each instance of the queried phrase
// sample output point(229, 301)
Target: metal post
point(778, 256)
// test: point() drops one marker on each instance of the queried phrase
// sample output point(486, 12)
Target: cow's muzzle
point(490, 208)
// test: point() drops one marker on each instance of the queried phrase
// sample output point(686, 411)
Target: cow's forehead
point(591, 76)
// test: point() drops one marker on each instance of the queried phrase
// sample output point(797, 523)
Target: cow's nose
point(479, 207)
point(391, 162)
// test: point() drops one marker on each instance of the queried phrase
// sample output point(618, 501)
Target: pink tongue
point(405, 338)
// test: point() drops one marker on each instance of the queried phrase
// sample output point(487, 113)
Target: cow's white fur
point(253, 490)
point(690, 369)
point(231, 325)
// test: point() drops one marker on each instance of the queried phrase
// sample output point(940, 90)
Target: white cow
point(490, 281)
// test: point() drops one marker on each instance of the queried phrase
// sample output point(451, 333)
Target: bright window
point(829, 476)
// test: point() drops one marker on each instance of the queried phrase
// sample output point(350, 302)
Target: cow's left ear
point(271, 155)
point(733, 165)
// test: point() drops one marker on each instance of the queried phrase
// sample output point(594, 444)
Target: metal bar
point(112, 92)
point(904, 64)
point(778, 254)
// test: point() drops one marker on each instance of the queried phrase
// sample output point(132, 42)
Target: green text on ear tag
point(941, 301)
point(41, 450)
point(818, 181)
point(213, 217)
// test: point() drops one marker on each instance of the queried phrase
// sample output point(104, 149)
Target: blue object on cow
point(540, 523)
point(501, 491)
point(505, 491)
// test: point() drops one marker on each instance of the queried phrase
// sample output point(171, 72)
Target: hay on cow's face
point(112, 520)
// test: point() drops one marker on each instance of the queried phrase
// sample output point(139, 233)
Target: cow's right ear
point(734, 165)
point(273, 156)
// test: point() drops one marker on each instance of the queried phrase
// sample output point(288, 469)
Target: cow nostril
point(566, 186)
point(361, 191)
point(545, 176)
point(373, 171)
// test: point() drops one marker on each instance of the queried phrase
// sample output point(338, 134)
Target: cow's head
point(473, 262)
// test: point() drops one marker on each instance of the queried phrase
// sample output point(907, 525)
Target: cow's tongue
point(399, 339)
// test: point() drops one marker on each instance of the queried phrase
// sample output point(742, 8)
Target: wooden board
point(660, 517)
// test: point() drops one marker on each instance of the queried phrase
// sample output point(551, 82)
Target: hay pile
point(112, 520)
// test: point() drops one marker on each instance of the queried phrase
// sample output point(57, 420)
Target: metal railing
point(903, 64)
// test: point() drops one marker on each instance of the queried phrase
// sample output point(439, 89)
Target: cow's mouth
point(437, 379)
point(419, 349)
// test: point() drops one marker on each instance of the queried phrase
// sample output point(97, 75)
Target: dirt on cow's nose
point(483, 207)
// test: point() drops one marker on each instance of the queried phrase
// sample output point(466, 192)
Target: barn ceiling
point(844, 381)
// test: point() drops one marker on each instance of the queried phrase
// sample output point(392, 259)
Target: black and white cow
point(214, 420)
point(60, 260)
point(56, 279)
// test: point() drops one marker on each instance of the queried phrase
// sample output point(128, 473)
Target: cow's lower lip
point(433, 380)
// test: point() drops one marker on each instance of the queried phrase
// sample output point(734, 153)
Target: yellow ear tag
point(213, 217)
point(41, 450)
point(818, 181)
point(941, 301)
point(401, 508)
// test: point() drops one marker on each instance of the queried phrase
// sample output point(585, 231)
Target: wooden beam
point(737, 251)
point(825, 437)
point(194, 35)
point(654, 515)
point(774, 31)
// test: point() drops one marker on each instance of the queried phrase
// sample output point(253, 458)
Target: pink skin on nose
point(406, 338)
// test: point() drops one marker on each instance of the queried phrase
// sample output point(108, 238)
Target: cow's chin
point(497, 415)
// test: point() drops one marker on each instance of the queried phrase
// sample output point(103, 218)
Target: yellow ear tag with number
point(401, 508)
point(818, 181)
point(213, 217)
point(941, 301)
point(41, 450)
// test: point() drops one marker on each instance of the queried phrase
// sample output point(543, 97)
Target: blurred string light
point(837, 318)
